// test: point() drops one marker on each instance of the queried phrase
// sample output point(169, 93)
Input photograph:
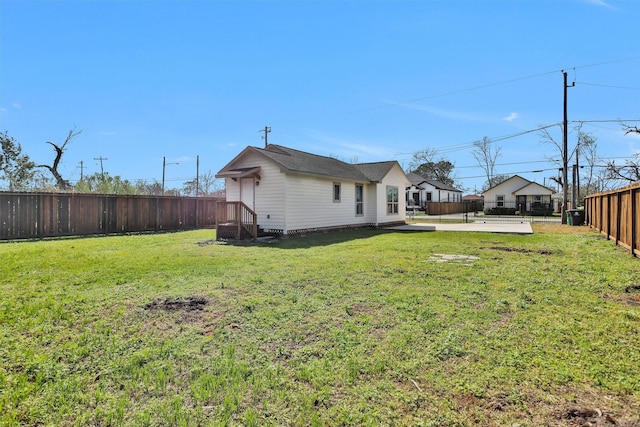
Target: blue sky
point(361, 80)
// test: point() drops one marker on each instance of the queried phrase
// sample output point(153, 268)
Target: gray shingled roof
point(300, 161)
point(375, 171)
point(416, 179)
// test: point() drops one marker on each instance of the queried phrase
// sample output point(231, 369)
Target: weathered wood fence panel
point(616, 214)
point(37, 215)
point(444, 208)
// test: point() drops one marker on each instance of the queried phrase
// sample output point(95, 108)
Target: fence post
point(632, 200)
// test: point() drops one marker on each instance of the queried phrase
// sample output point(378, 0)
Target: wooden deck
point(235, 220)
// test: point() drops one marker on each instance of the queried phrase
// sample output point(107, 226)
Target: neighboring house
point(423, 190)
point(519, 195)
point(292, 191)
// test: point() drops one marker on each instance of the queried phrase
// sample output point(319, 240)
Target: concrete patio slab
point(512, 228)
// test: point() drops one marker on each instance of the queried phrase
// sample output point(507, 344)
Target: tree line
point(20, 173)
point(593, 174)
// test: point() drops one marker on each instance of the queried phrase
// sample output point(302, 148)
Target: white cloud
point(600, 3)
point(439, 112)
point(511, 117)
point(183, 159)
point(16, 105)
point(346, 149)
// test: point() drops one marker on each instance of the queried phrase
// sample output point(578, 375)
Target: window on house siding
point(429, 197)
point(359, 200)
point(392, 200)
point(500, 201)
point(336, 191)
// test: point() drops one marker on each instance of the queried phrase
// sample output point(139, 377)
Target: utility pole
point(565, 151)
point(101, 166)
point(197, 175)
point(266, 131)
point(164, 165)
point(81, 170)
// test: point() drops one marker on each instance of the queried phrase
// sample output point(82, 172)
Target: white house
point(292, 191)
point(518, 194)
point(423, 191)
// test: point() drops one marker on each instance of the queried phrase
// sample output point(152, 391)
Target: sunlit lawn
point(346, 328)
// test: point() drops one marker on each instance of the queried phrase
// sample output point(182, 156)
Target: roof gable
point(291, 160)
point(533, 188)
point(509, 182)
point(416, 180)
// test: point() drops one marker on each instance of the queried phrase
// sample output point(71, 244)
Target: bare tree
point(426, 163)
point(589, 160)
point(631, 129)
point(629, 172)
point(61, 183)
point(486, 155)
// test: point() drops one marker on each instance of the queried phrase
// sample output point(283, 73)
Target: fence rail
point(616, 214)
point(37, 215)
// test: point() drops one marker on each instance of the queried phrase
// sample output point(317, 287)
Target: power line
point(455, 92)
point(532, 76)
point(609, 86)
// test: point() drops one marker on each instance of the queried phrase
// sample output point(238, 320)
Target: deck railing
point(238, 214)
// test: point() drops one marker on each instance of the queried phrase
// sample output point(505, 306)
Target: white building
point(423, 191)
point(292, 191)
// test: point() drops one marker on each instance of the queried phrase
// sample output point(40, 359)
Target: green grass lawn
point(346, 328)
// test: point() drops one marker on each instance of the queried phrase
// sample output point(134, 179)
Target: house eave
point(239, 173)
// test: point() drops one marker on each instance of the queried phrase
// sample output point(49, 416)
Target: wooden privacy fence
point(616, 214)
point(444, 208)
point(37, 215)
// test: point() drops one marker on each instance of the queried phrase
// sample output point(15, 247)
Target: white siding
point(310, 203)
point(505, 189)
point(269, 192)
point(440, 195)
point(395, 178)
point(290, 202)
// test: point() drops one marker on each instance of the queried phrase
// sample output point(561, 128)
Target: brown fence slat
point(615, 214)
point(37, 215)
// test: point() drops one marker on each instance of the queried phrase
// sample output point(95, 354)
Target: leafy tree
point(426, 163)
point(16, 168)
point(62, 183)
point(151, 189)
point(103, 183)
point(486, 155)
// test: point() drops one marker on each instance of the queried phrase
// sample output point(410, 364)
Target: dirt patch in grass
point(631, 296)
point(520, 250)
point(187, 304)
point(586, 408)
point(587, 417)
point(632, 289)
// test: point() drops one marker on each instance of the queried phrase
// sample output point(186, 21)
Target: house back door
point(247, 193)
point(521, 204)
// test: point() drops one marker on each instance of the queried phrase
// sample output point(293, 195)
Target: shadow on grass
point(318, 238)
